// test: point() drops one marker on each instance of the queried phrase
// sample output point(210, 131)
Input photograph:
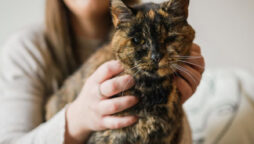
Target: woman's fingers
point(195, 48)
point(198, 63)
point(106, 71)
point(115, 105)
point(191, 75)
point(116, 85)
point(113, 122)
point(185, 89)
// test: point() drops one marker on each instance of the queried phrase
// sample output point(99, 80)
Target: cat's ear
point(177, 7)
point(120, 12)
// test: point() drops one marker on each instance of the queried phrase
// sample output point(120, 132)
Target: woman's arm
point(27, 74)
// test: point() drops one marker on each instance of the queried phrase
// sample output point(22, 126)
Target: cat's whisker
point(128, 53)
point(187, 62)
point(193, 76)
point(187, 72)
point(132, 68)
point(174, 71)
point(135, 66)
point(187, 57)
point(176, 74)
point(175, 34)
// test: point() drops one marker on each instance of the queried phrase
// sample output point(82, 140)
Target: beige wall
point(15, 14)
point(225, 28)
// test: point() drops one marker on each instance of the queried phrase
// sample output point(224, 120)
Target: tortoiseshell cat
point(148, 39)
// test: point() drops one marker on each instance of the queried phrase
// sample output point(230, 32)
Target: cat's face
point(150, 38)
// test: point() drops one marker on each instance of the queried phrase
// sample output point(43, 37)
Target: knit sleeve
point(26, 75)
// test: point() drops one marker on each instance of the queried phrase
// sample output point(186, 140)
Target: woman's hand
point(191, 72)
point(93, 109)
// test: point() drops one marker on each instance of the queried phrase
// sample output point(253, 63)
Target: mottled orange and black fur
point(148, 40)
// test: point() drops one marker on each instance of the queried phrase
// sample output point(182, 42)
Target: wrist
point(76, 130)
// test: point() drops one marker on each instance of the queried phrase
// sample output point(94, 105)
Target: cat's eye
point(137, 40)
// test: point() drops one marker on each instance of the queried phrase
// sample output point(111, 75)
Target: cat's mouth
point(158, 72)
point(155, 70)
point(162, 68)
point(148, 67)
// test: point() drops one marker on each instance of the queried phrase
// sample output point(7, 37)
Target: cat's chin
point(150, 74)
point(156, 73)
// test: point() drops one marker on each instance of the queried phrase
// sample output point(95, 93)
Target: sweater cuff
point(54, 129)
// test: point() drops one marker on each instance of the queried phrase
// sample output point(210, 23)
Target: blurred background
point(16, 14)
point(224, 28)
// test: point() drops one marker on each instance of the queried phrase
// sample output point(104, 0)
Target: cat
point(148, 40)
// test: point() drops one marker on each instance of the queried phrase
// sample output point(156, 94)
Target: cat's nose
point(156, 57)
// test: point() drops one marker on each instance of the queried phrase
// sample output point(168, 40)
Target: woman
point(37, 60)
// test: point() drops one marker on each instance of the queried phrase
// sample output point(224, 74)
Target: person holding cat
point(36, 62)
